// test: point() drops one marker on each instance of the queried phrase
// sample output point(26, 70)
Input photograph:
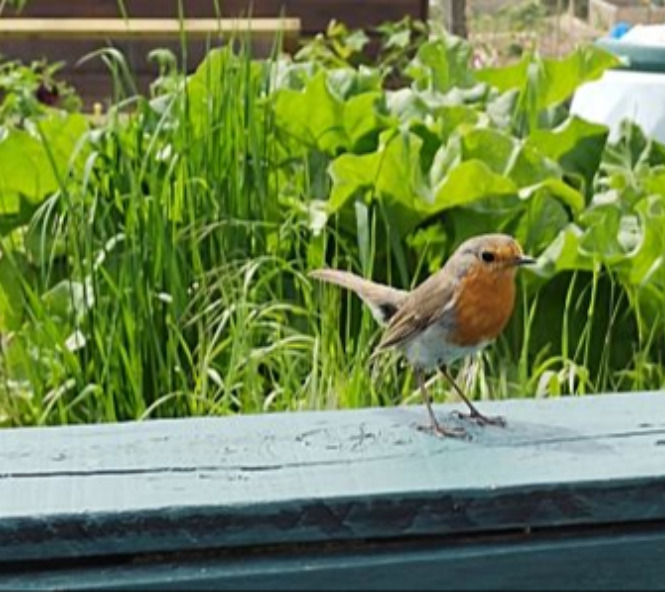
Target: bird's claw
point(443, 432)
point(481, 419)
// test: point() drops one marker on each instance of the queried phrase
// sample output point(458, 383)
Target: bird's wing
point(383, 301)
point(427, 304)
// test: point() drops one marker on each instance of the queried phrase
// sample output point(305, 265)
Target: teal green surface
point(644, 58)
point(611, 562)
point(292, 498)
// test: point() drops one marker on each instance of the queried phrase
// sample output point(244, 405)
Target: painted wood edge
point(453, 514)
point(565, 561)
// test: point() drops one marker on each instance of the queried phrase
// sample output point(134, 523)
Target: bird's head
point(496, 253)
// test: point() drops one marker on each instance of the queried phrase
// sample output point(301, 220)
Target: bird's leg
point(474, 414)
point(434, 424)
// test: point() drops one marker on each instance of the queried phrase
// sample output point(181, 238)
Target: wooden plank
point(314, 15)
point(92, 78)
point(141, 28)
point(135, 52)
point(314, 18)
point(328, 476)
point(614, 561)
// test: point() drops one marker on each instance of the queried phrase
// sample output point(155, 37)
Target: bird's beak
point(524, 260)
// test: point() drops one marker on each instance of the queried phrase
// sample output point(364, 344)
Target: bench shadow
point(515, 433)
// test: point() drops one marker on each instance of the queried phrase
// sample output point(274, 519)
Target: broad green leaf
point(433, 241)
point(530, 167)
point(45, 239)
point(394, 169)
point(631, 148)
point(31, 162)
point(555, 79)
point(631, 165)
point(505, 78)
point(10, 221)
point(18, 362)
point(476, 94)
point(407, 105)
point(471, 181)
point(292, 75)
point(345, 83)
point(313, 116)
point(201, 85)
point(653, 180)
point(393, 175)
point(64, 134)
point(493, 147)
point(441, 64)
point(430, 134)
point(69, 298)
point(648, 260)
point(561, 77)
point(364, 115)
point(601, 237)
point(456, 118)
point(25, 168)
point(398, 39)
point(645, 265)
point(10, 203)
point(346, 42)
point(447, 157)
point(207, 88)
point(630, 232)
point(543, 218)
point(564, 254)
point(483, 217)
point(557, 189)
point(568, 139)
point(11, 295)
point(577, 145)
point(501, 108)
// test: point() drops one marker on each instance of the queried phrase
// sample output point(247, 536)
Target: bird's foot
point(480, 419)
point(444, 432)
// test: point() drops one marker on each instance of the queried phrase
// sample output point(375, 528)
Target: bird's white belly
point(430, 348)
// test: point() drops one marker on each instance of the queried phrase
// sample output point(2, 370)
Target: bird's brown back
point(425, 305)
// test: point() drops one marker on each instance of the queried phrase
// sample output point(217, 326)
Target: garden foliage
point(154, 263)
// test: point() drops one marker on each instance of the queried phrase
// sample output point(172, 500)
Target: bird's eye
point(487, 257)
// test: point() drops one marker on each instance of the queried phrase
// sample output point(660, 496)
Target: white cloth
point(645, 35)
point(621, 94)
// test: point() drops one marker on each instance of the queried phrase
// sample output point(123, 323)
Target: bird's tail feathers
point(383, 301)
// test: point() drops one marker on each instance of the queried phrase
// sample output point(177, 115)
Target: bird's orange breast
point(484, 305)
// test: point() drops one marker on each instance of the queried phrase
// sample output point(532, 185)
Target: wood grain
point(314, 15)
point(141, 28)
point(314, 18)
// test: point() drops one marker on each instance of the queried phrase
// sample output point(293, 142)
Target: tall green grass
point(186, 271)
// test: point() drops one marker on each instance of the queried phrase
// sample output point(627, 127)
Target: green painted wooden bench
point(571, 495)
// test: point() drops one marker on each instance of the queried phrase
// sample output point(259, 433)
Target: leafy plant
point(17, 5)
point(155, 265)
point(26, 91)
point(339, 47)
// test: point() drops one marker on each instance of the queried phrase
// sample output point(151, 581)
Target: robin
point(455, 313)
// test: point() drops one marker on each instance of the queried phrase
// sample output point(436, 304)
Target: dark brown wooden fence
point(92, 78)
